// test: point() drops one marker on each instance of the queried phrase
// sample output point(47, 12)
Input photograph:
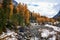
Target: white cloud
point(44, 8)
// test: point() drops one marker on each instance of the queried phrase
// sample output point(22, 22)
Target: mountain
point(57, 15)
point(15, 3)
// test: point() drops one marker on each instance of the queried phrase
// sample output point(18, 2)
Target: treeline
point(41, 19)
point(12, 15)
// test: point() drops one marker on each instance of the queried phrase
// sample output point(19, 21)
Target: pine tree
point(4, 11)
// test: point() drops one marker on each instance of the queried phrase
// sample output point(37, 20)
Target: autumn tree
point(33, 16)
point(24, 13)
point(27, 17)
point(18, 15)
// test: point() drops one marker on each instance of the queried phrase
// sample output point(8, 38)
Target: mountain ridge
point(57, 15)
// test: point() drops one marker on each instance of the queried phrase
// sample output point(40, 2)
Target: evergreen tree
point(4, 14)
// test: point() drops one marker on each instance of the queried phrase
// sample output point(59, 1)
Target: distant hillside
point(58, 15)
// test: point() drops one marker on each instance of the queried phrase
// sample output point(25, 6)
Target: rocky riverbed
point(40, 32)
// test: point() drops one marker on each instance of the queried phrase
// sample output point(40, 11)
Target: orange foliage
point(22, 9)
point(0, 5)
point(52, 20)
point(11, 9)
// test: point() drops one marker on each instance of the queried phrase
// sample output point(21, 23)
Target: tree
point(4, 14)
point(1, 22)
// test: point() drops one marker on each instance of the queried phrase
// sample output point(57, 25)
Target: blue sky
point(47, 8)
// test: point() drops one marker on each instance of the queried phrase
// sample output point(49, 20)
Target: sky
point(47, 8)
